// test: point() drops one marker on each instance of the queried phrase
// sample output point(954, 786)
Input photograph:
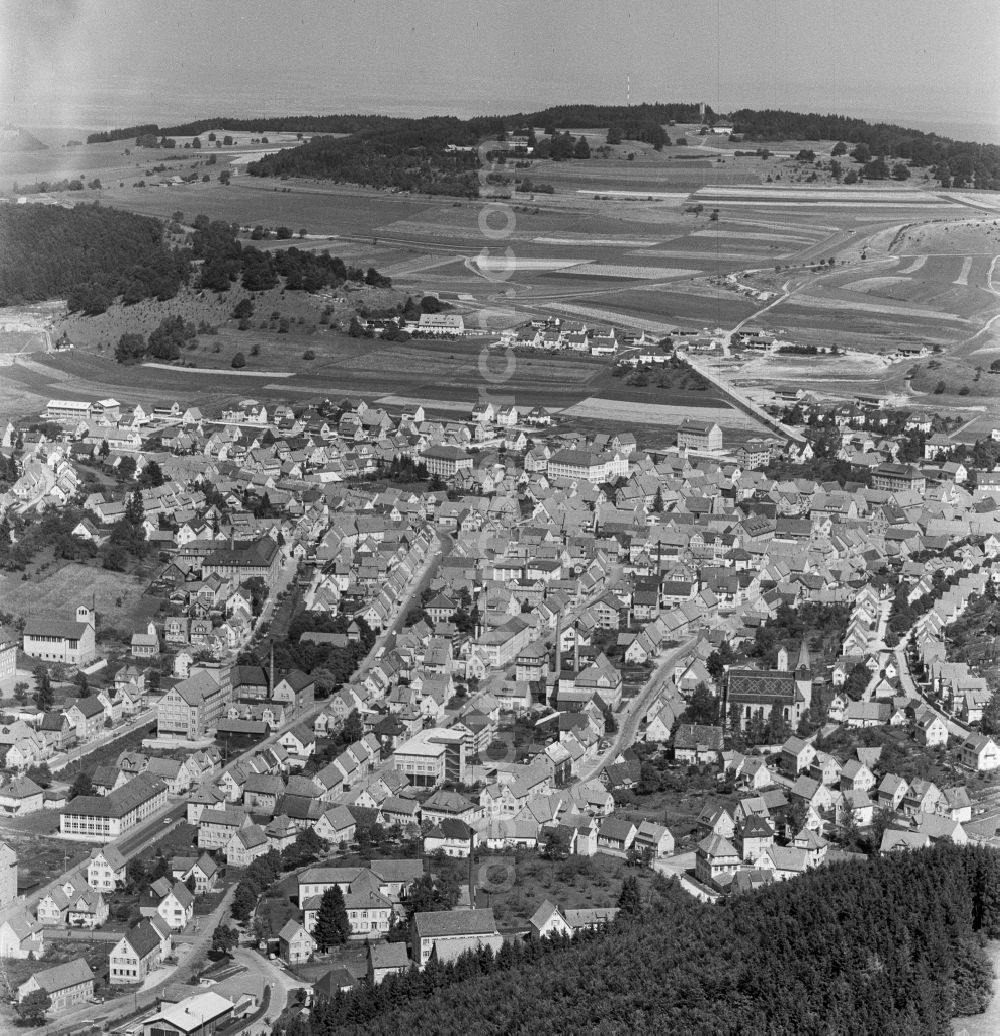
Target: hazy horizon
point(78, 63)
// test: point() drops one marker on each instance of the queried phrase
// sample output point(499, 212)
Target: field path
point(986, 329)
point(963, 277)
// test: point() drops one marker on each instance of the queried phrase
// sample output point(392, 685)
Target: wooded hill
point(969, 164)
point(88, 254)
point(411, 154)
point(92, 255)
point(886, 946)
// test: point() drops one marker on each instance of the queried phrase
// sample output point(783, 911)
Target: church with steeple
point(757, 692)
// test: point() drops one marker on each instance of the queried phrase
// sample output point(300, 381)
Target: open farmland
point(119, 161)
point(670, 414)
point(725, 241)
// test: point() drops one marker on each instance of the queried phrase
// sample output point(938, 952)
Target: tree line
point(888, 946)
point(123, 133)
point(573, 116)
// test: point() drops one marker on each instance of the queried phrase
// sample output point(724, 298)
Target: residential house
point(177, 907)
point(67, 984)
point(296, 945)
point(449, 933)
point(138, 952)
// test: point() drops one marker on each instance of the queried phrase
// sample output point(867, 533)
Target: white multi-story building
point(594, 467)
point(432, 757)
point(102, 818)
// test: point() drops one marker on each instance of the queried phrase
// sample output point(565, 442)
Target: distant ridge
point(969, 163)
point(13, 139)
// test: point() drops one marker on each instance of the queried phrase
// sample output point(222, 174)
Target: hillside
point(418, 154)
point(88, 254)
point(887, 946)
point(14, 140)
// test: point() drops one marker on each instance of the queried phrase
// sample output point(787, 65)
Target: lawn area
point(118, 596)
point(579, 882)
point(678, 811)
point(178, 841)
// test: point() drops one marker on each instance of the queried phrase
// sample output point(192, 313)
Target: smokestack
point(557, 655)
point(576, 646)
point(271, 691)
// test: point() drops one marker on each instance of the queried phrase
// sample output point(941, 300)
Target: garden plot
point(626, 413)
point(600, 242)
point(641, 273)
point(916, 265)
point(680, 253)
point(522, 263)
point(742, 235)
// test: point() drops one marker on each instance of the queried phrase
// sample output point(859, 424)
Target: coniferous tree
point(135, 513)
point(332, 925)
point(43, 688)
point(630, 898)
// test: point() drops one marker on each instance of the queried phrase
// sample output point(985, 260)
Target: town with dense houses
point(384, 648)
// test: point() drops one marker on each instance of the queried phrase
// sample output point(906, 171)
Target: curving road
point(631, 716)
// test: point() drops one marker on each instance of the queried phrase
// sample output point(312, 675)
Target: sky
point(101, 63)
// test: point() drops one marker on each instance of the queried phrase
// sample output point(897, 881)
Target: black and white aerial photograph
point(500, 518)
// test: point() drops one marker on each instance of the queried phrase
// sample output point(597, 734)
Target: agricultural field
point(688, 237)
point(120, 161)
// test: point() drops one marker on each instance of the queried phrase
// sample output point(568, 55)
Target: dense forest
point(89, 254)
point(570, 116)
point(286, 124)
point(411, 155)
point(123, 133)
point(93, 255)
point(968, 164)
point(591, 116)
point(891, 945)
